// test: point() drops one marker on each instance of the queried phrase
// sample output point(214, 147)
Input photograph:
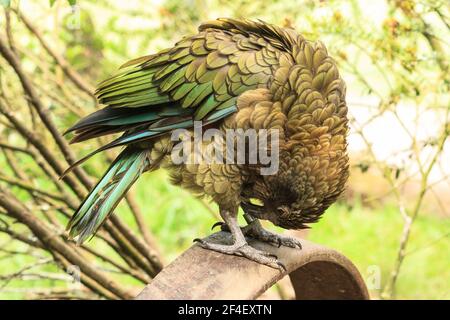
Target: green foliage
point(5, 3)
point(71, 2)
point(369, 237)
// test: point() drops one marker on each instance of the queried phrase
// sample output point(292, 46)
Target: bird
point(233, 74)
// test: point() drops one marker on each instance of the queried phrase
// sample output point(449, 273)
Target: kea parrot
point(232, 74)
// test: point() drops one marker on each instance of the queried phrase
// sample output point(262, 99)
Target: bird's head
point(298, 194)
point(281, 205)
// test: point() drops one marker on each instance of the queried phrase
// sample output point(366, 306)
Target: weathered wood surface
point(316, 272)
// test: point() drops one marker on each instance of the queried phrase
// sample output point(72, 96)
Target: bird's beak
point(254, 210)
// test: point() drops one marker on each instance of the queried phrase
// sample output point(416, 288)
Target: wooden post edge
point(316, 272)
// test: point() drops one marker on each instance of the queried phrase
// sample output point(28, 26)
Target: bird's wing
point(199, 78)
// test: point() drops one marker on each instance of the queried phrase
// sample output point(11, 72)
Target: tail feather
point(108, 192)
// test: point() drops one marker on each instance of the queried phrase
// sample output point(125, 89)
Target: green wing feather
point(108, 192)
point(202, 74)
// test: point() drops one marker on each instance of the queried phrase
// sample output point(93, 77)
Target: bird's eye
point(256, 202)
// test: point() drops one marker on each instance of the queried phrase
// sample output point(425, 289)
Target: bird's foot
point(246, 251)
point(256, 231)
point(259, 233)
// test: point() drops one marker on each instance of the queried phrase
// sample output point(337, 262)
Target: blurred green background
point(394, 56)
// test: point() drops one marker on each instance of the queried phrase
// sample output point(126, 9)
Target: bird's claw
point(281, 266)
point(245, 250)
point(256, 231)
point(274, 239)
point(222, 225)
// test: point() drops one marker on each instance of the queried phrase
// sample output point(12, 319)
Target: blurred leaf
point(5, 3)
point(52, 2)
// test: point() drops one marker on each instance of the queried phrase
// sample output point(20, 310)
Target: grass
point(370, 238)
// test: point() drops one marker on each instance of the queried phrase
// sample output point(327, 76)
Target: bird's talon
point(244, 250)
point(218, 223)
point(223, 226)
point(257, 232)
point(282, 266)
